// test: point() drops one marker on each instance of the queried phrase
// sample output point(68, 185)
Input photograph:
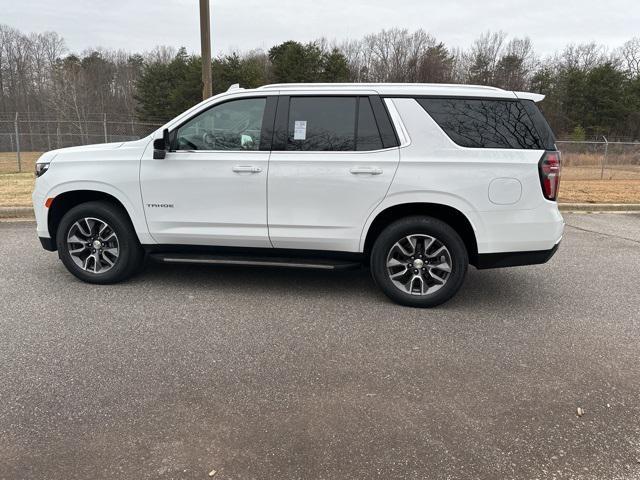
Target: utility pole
point(205, 42)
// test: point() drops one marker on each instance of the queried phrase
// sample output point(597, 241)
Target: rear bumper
point(504, 231)
point(514, 259)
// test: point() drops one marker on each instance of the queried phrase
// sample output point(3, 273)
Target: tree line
point(591, 91)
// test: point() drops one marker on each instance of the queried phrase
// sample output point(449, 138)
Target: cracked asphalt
point(266, 373)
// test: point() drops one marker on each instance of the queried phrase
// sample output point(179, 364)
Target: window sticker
point(300, 130)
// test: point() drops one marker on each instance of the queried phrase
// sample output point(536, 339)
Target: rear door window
point(485, 123)
point(368, 133)
point(322, 123)
point(332, 124)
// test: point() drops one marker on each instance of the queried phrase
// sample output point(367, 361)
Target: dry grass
point(622, 172)
point(9, 161)
point(580, 183)
point(15, 189)
point(621, 163)
point(600, 191)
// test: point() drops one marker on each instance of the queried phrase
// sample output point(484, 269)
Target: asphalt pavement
point(282, 374)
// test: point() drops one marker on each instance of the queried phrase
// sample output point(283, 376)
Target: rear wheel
point(419, 261)
point(97, 243)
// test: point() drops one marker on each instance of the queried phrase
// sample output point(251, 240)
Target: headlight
point(41, 168)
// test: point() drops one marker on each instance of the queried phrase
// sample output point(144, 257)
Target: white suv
point(415, 180)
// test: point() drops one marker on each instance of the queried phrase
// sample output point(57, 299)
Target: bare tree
point(387, 56)
point(482, 59)
point(516, 65)
point(630, 53)
point(581, 57)
point(160, 54)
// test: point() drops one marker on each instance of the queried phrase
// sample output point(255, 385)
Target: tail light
point(549, 167)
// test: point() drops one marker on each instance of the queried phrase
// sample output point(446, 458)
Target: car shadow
point(502, 287)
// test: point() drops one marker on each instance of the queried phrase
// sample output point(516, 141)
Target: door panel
point(211, 203)
point(211, 188)
point(321, 200)
point(332, 164)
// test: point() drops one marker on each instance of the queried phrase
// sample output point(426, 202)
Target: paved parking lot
point(281, 374)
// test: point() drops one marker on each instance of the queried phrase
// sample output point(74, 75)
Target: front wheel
point(419, 261)
point(97, 243)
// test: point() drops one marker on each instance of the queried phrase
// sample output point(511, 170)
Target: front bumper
point(48, 244)
point(41, 212)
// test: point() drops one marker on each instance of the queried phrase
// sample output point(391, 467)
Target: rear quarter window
point(542, 126)
point(486, 123)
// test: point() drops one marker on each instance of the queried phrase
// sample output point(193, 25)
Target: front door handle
point(366, 170)
point(246, 168)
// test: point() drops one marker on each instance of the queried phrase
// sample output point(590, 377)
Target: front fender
point(133, 205)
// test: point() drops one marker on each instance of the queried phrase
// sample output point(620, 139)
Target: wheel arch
point(63, 202)
point(446, 213)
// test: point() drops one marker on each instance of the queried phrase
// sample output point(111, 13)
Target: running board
point(313, 263)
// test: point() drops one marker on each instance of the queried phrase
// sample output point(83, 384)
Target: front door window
point(234, 125)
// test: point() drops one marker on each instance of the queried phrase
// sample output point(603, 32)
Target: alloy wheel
point(419, 264)
point(93, 245)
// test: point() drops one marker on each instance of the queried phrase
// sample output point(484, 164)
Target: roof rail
point(276, 86)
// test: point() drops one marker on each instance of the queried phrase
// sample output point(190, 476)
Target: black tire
point(432, 227)
point(131, 254)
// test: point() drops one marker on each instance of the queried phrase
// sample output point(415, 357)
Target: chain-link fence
point(24, 137)
point(600, 160)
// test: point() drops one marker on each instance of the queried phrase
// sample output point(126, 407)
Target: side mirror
point(161, 145)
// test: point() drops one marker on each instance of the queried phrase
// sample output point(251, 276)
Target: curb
point(27, 212)
point(17, 212)
point(599, 207)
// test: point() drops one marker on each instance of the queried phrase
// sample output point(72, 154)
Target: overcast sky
point(137, 25)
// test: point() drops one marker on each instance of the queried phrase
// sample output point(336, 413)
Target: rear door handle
point(246, 168)
point(366, 170)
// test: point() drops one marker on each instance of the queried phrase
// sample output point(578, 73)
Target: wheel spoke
point(416, 279)
point(438, 252)
point(82, 248)
point(412, 245)
point(394, 262)
point(444, 266)
point(106, 259)
point(438, 279)
point(76, 239)
point(89, 223)
point(96, 263)
point(108, 237)
point(428, 242)
point(399, 274)
point(83, 232)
